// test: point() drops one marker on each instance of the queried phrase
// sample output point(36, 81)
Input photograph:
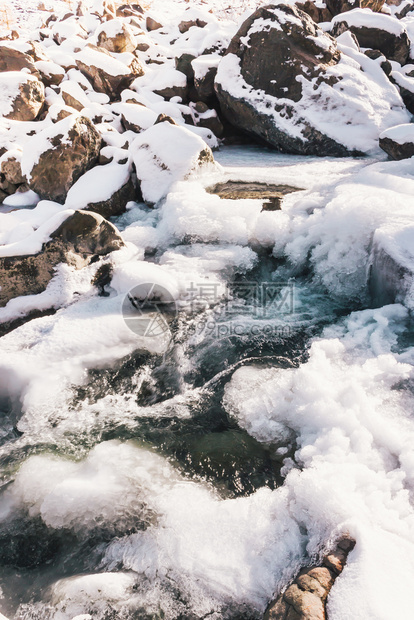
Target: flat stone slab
point(272, 195)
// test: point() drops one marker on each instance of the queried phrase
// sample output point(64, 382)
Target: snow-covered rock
point(283, 79)
point(104, 189)
point(21, 96)
point(115, 36)
point(27, 267)
point(164, 154)
point(57, 156)
point(205, 71)
point(398, 142)
point(106, 73)
point(375, 31)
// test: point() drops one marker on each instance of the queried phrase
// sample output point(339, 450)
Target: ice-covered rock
point(376, 31)
point(21, 96)
point(164, 154)
point(398, 142)
point(71, 237)
point(285, 80)
point(57, 156)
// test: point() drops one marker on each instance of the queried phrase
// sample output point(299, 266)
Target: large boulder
point(57, 156)
point(284, 80)
point(14, 60)
point(77, 240)
point(398, 142)
point(164, 154)
point(22, 96)
point(376, 31)
point(106, 73)
point(115, 36)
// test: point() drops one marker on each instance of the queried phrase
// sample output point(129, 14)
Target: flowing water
point(193, 479)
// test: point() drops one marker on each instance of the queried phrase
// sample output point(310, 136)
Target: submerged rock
point(305, 598)
point(77, 241)
point(56, 157)
point(272, 195)
point(283, 79)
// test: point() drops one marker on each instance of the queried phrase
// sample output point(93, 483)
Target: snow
point(401, 134)
point(163, 155)
point(365, 18)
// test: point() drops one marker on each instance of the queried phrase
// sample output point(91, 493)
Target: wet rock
point(14, 60)
point(115, 36)
point(306, 597)
point(107, 74)
point(385, 33)
point(77, 241)
point(67, 150)
point(398, 142)
point(272, 195)
point(23, 96)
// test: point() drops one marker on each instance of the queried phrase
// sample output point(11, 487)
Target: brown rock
point(305, 598)
point(91, 62)
point(13, 60)
point(272, 195)
point(77, 241)
point(185, 26)
point(164, 118)
point(123, 41)
point(28, 99)
point(151, 24)
point(11, 169)
point(66, 160)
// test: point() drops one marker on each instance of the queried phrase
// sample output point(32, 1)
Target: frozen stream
point(190, 474)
